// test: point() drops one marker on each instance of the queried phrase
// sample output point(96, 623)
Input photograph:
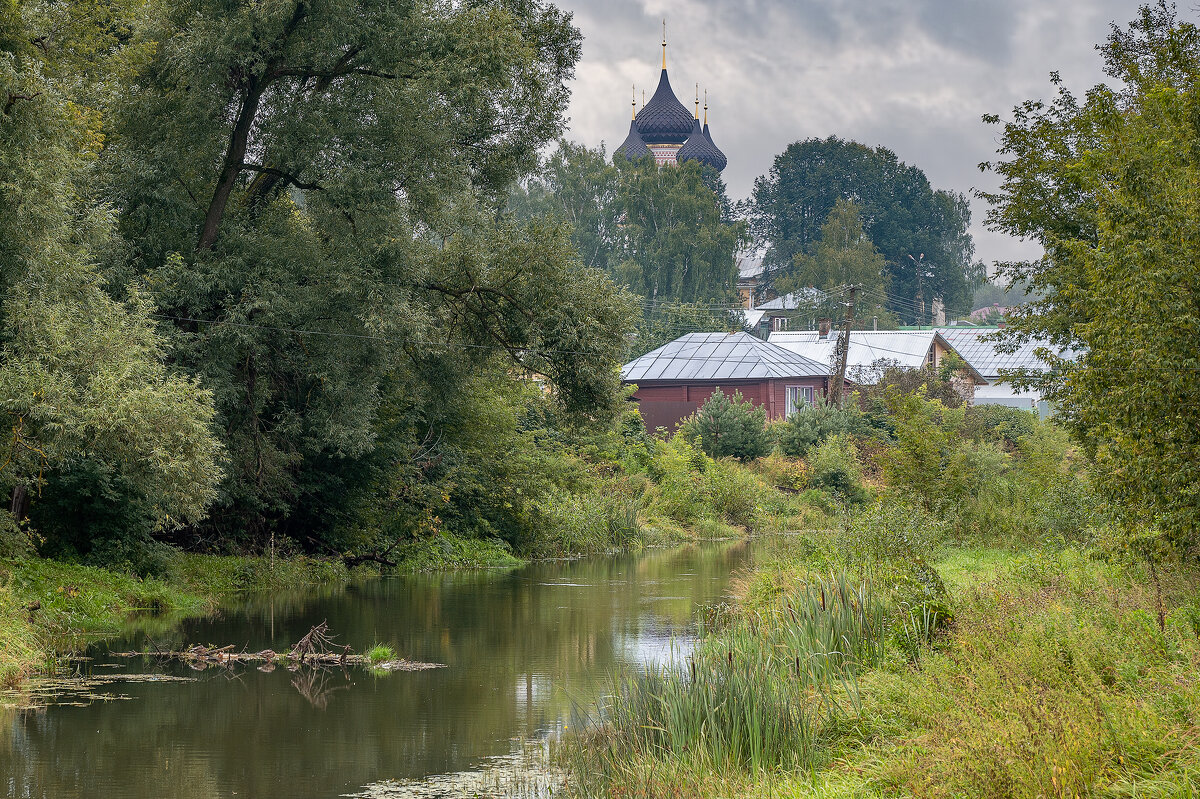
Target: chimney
point(823, 326)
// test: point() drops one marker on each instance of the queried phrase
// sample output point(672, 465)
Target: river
point(520, 649)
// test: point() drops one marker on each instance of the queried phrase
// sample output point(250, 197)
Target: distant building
point(775, 314)
point(674, 380)
point(665, 129)
point(750, 272)
point(873, 351)
point(975, 346)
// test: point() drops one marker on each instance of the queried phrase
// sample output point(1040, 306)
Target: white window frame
point(796, 398)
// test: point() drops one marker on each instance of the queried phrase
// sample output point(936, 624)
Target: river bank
point(49, 608)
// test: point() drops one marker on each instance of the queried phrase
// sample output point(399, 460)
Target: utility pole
point(920, 265)
point(843, 352)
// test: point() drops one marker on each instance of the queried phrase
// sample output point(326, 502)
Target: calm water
point(519, 647)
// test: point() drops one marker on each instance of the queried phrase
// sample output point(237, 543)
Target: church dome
point(699, 148)
point(633, 147)
point(722, 161)
point(664, 120)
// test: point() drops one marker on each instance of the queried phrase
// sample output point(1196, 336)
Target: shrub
point(999, 424)
point(835, 469)
point(733, 493)
point(731, 427)
point(807, 428)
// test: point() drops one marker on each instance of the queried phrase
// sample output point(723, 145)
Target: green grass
point(1054, 679)
point(761, 694)
point(76, 603)
point(961, 567)
point(447, 551)
point(380, 653)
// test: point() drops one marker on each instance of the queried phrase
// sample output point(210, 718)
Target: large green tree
point(664, 232)
point(844, 257)
point(84, 383)
point(902, 214)
point(1107, 184)
point(311, 191)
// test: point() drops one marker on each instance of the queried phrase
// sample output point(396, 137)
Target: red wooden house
point(675, 379)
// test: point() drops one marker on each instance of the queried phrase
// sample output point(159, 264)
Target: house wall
point(667, 404)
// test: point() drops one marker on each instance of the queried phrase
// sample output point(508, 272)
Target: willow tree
point(1108, 184)
point(310, 190)
point(84, 383)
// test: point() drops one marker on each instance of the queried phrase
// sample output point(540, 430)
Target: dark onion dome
point(722, 161)
point(699, 148)
point(633, 147)
point(663, 120)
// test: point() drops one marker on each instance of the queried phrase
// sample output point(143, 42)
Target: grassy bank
point(958, 617)
point(49, 607)
point(1051, 677)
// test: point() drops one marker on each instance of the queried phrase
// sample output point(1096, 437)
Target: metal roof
point(749, 266)
point(975, 349)
point(707, 357)
point(633, 146)
point(720, 155)
point(871, 351)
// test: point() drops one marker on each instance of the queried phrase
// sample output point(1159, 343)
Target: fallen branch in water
point(316, 648)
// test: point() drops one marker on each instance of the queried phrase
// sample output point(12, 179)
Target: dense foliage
point(1107, 185)
point(903, 216)
point(84, 381)
point(668, 235)
point(293, 204)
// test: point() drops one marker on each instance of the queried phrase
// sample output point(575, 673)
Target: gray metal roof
point(706, 357)
point(975, 349)
point(871, 351)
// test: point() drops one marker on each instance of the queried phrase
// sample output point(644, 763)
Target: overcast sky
point(912, 75)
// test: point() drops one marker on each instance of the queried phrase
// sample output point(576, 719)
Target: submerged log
point(315, 649)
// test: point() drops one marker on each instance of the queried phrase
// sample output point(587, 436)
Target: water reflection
point(518, 646)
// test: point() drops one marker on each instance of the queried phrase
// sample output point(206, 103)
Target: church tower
point(665, 128)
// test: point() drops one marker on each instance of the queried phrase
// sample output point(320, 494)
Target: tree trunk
point(19, 506)
point(234, 156)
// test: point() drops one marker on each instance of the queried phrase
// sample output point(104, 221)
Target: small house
point(873, 351)
point(977, 348)
point(674, 380)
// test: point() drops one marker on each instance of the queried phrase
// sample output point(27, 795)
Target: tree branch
point(284, 176)
point(14, 97)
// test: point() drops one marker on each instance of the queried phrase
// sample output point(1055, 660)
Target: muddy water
point(519, 649)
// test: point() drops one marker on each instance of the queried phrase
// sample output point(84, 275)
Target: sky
point(912, 75)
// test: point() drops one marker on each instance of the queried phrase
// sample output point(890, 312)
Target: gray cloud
point(912, 75)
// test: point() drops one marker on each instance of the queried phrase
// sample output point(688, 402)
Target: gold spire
point(706, 108)
point(643, 98)
point(664, 42)
point(697, 102)
point(633, 102)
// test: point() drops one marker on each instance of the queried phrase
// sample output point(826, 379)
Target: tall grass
point(762, 693)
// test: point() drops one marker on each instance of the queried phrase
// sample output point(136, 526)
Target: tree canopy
point(901, 213)
point(1107, 184)
point(84, 378)
point(665, 233)
point(302, 213)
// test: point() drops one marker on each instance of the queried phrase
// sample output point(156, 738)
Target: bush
point(733, 493)
point(807, 428)
point(731, 427)
point(999, 424)
point(835, 469)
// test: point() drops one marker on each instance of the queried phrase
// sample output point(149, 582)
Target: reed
point(762, 693)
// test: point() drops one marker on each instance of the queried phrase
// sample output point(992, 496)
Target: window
point(798, 398)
